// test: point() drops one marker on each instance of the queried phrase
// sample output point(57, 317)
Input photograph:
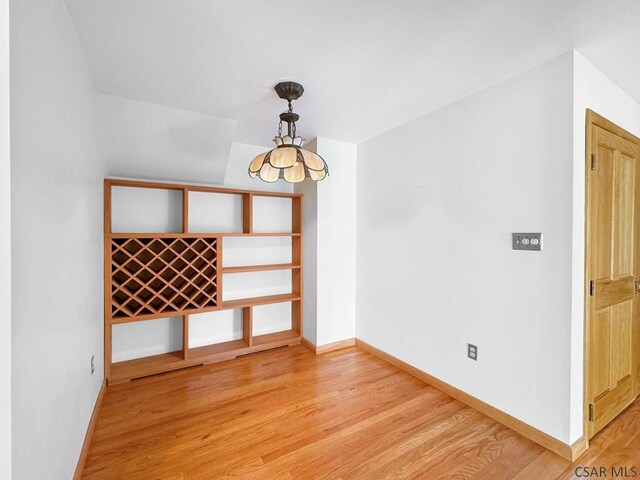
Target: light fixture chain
point(280, 128)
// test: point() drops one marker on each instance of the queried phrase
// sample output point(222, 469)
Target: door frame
point(592, 119)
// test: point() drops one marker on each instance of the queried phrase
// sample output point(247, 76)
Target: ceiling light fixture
point(288, 160)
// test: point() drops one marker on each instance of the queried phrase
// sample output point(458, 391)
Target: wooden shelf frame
point(256, 301)
point(260, 268)
point(199, 284)
point(198, 235)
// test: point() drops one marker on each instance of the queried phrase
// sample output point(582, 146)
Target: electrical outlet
point(93, 364)
point(472, 352)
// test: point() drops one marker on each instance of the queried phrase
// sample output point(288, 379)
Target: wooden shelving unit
point(156, 275)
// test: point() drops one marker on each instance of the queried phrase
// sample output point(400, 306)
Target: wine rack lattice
point(155, 275)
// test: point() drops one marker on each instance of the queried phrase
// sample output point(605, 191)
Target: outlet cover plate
point(526, 241)
point(472, 352)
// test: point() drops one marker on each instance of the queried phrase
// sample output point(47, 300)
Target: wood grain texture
point(156, 276)
point(519, 426)
point(329, 347)
point(247, 213)
point(119, 182)
point(185, 337)
point(290, 414)
point(89, 436)
point(612, 308)
point(196, 235)
point(332, 347)
point(247, 325)
point(260, 268)
point(612, 292)
point(297, 258)
point(255, 301)
point(185, 211)
point(308, 345)
point(126, 371)
point(107, 277)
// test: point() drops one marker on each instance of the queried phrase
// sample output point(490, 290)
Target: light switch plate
point(526, 241)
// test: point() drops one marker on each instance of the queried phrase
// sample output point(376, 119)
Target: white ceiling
point(366, 65)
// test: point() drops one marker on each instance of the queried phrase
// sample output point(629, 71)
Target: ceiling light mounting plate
point(289, 90)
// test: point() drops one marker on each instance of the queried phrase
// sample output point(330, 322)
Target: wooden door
point(613, 267)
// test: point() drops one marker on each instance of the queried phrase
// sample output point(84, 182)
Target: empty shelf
point(211, 352)
point(277, 339)
point(260, 268)
point(142, 367)
point(250, 302)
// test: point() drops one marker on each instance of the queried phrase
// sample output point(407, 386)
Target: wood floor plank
point(435, 451)
point(515, 457)
point(363, 439)
point(289, 414)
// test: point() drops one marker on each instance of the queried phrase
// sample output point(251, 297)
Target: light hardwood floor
point(288, 414)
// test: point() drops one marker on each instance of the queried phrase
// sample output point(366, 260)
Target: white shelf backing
point(143, 339)
point(271, 214)
point(271, 318)
point(215, 212)
point(145, 210)
point(243, 251)
point(215, 327)
point(256, 284)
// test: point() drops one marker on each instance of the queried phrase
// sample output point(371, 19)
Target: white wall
point(154, 141)
point(5, 249)
point(56, 176)
point(593, 90)
point(65, 139)
point(329, 223)
point(309, 190)
point(438, 199)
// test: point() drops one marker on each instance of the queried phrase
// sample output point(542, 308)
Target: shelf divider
point(247, 213)
point(297, 278)
point(247, 325)
point(185, 337)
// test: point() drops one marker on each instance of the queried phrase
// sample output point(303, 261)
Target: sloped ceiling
point(367, 65)
point(155, 141)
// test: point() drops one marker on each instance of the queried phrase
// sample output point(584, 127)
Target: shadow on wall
point(146, 140)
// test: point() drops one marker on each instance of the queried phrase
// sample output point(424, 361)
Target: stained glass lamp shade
point(288, 160)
